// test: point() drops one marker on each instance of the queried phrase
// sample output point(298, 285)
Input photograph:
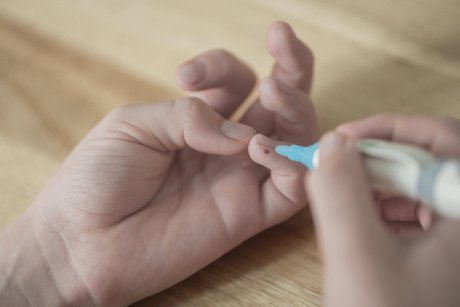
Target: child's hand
point(365, 264)
point(157, 191)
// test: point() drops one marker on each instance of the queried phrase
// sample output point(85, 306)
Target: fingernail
point(330, 143)
point(236, 131)
point(193, 72)
point(265, 141)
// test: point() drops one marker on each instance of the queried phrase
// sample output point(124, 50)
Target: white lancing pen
point(400, 169)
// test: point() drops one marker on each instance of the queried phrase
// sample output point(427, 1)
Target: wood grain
point(64, 64)
point(50, 97)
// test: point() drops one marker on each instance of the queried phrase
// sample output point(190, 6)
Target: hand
point(157, 191)
point(366, 265)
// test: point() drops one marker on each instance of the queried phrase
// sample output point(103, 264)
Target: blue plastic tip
point(298, 153)
point(283, 150)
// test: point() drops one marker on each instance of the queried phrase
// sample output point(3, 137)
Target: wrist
point(35, 268)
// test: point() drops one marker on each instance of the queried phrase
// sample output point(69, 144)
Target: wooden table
point(64, 64)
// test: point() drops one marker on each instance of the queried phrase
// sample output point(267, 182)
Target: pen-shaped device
point(399, 168)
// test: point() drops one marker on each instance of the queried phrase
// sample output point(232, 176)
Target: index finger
point(440, 135)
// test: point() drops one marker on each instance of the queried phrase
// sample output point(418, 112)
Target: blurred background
point(65, 64)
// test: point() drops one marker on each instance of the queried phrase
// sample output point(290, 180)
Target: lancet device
point(400, 169)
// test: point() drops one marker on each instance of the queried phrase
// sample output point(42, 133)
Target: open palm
point(157, 191)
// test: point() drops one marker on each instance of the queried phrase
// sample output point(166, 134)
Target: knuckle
point(121, 111)
point(387, 116)
point(189, 108)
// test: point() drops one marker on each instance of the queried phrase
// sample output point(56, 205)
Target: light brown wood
point(64, 64)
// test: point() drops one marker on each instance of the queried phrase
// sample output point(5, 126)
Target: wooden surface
point(64, 64)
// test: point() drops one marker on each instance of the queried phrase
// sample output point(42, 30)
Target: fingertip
point(279, 36)
point(213, 69)
point(190, 74)
point(279, 25)
point(294, 60)
point(346, 128)
point(331, 144)
point(425, 216)
point(353, 130)
point(340, 161)
point(252, 149)
point(262, 151)
point(219, 78)
point(261, 147)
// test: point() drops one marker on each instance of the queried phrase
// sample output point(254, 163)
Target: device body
point(400, 169)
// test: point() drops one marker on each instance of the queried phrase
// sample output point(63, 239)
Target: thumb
point(341, 200)
point(169, 126)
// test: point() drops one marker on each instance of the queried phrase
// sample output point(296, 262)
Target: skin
point(365, 264)
point(157, 191)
